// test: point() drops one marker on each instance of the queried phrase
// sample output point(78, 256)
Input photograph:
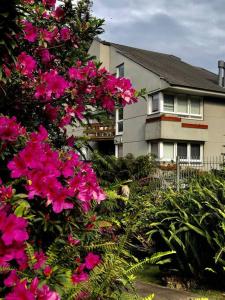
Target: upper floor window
point(119, 120)
point(120, 71)
point(180, 104)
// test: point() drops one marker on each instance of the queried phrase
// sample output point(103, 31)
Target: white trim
point(187, 115)
point(118, 121)
point(116, 151)
point(188, 160)
point(198, 91)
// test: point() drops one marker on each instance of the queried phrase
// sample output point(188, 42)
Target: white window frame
point(188, 160)
point(118, 70)
point(188, 115)
point(118, 120)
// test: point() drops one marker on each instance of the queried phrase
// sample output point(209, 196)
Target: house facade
point(184, 114)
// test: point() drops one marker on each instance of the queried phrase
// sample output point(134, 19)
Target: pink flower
point(108, 103)
point(20, 292)
point(49, 36)
point(65, 34)
point(46, 56)
point(52, 112)
point(92, 260)
point(72, 241)
point(52, 85)
point(10, 130)
point(6, 70)
point(40, 260)
point(75, 73)
point(79, 277)
point(30, 32)
point(5, 193)
point(12, 279)
point(47, 271)
point(13, 228)
point(26, 65)
point(58, 13)
point(50, 3)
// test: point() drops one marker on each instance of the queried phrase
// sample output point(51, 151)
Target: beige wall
point(214, 116)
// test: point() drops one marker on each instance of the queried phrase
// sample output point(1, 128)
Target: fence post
point(178, 173)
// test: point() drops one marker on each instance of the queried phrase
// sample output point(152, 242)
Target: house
point(184, 114)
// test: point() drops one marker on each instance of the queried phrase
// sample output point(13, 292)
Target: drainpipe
point(221, 66)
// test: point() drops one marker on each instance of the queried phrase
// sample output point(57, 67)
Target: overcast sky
point(191, 29)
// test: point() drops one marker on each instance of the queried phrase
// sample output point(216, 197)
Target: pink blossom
point(5, 193)
point(30, 31)
point(52, 112)
point(46, 56)
point(26, 65)
point(6, 70)
point(13, 228)
point(40, 260)
point(72, 241)
point(75, 73)
point(20, 292)
point(50, 3)
point(10, 130)
point(65, 34)
point(52, 84)
point(12, 279)
point(47, 271)
point(92, 260)
point(58, 13)
point(79, 277)
point(45, 293)
point(49, 36)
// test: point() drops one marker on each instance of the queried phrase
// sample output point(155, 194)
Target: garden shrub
point(52, 242)
point(192, 223)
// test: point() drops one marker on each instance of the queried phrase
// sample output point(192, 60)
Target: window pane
point(120, 71)
point(120, 126)
point(168, 103)
point(195, 151)
point(154, 149)
point(168, 153)
point(155, 102)
point(182, 104)
point(120, 114)
point(182, 150)
point(120, 150)
point(195, 105)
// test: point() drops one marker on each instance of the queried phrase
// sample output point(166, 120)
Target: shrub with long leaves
point(192, 223)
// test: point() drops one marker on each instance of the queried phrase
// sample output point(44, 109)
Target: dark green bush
point(111, 169)
point(192, 223)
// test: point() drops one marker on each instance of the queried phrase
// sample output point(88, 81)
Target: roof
point(171, 68)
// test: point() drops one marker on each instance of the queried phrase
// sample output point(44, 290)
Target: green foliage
point(112, 170)
point(192, 223)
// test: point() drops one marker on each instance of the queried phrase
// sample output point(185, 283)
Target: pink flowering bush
point(51, 238)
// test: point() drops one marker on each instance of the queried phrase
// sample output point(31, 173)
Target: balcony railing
point(97, 131)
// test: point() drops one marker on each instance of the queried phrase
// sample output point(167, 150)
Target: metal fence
point(177, 175)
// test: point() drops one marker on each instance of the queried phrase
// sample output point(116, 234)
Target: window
point(154, 149)
point(195, 105)
point(155, 103)
point(168, 151)
point(195, 151)
point(119, 120)
point(185, 105)
point(182, 150)
point(120, 70)
point(168, 103)
point(182, 104)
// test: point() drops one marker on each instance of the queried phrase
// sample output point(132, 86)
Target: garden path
point(163, 293)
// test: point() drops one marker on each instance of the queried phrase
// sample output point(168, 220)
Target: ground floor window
point(119, 150)
point(170, 150)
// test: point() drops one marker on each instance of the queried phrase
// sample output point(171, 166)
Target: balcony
point(175, 128)
point(100, 132)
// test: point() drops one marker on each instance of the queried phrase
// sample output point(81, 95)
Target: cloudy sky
point(191, 29)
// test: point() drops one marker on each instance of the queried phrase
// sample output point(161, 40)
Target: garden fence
point(177, 175)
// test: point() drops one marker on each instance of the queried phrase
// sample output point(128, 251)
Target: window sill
point(182, 115)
